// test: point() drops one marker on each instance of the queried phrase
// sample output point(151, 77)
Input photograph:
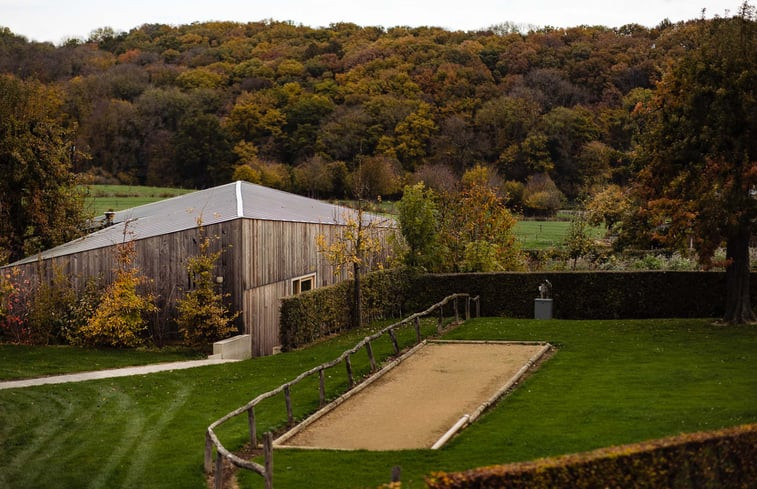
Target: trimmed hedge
point(328, 310)
point(577, 295)
point(584, 295)
point(723, 458)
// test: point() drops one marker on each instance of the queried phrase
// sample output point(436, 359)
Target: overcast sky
point(56, 20)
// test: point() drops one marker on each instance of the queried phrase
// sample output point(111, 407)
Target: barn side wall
point(275, 253)
point(162, 259)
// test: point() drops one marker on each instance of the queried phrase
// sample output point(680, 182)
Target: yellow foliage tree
point(203, 317)
point(120, 319)
point(358, 244)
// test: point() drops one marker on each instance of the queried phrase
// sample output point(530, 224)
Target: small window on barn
point(303, 284)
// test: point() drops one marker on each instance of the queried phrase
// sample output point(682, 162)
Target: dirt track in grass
point(415, 403)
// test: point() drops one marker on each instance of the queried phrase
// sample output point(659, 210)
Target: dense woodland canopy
point(304, 108)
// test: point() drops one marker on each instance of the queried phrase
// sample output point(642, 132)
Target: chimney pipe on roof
point(109, 215)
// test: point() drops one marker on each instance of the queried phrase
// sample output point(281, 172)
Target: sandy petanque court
point(415, 403)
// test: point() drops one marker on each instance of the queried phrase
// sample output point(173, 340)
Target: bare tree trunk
point(738, 307)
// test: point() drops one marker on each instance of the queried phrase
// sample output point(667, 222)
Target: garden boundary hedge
point(584, 295)
point(723, 458)
point(576, 295)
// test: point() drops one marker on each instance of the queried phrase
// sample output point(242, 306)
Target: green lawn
point(611, 382)
point(118, 197)
point(20, 361)
point(536, 235)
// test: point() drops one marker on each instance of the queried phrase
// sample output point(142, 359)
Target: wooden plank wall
point(258, 254)
point(275, 253)
point(262, 307)
point(162, 259)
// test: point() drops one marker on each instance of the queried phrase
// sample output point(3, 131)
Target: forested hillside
point(304, 107)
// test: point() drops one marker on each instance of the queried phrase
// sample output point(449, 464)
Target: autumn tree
point(700, 149)
point(40, 203)
point(476, 232)
point(418, 218)
point(203, 317)
point(608, 207)
point(120, 320)
point(353, 250)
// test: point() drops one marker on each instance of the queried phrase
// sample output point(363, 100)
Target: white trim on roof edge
point(240, 204)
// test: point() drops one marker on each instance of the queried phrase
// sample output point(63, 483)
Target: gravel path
point(415, 403)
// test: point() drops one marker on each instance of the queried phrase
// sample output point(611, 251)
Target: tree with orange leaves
point(699, 182)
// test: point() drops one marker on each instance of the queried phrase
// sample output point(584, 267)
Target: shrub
point(119, 321)
point(541, 196)
point(52, 309)
point(202, 315)
point(329, 310)
point(14, 306)
point(723, 458)
point(577, 295)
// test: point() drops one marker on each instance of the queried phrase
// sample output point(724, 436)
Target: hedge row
point(724, 458)
point(577, 295)
point(584, 295)
point(325, 311)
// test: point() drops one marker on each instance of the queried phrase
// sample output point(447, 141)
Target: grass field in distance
point(103, 198)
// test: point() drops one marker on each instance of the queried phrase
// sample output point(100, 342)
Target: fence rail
point(266, 470)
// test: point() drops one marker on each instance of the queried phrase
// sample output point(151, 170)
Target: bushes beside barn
point(723, 458)
point(328, 310)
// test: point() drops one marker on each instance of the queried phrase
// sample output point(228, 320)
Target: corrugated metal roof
point(214, 205)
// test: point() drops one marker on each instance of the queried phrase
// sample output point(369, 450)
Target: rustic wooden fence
point(266, 470)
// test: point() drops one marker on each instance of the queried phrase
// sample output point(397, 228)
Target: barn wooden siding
point(277, 252)
point(259, 260)
point(162, 259)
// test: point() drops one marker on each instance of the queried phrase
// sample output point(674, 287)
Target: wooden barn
point(268, 239)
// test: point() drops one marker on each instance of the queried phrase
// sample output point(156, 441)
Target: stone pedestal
point(542, 308)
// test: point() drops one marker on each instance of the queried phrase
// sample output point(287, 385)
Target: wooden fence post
point(467, 308)
point(441, 319)
point(288, 400)
point(454, 306)
point(268, 454)
point(253, 430)
point(348, 364)
point(417, 324)
point(369, 349)
point(478, 307)
point(322, 387)
point(394, 341)
point(208, 453)
point(218, 477)
point(396, 473)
